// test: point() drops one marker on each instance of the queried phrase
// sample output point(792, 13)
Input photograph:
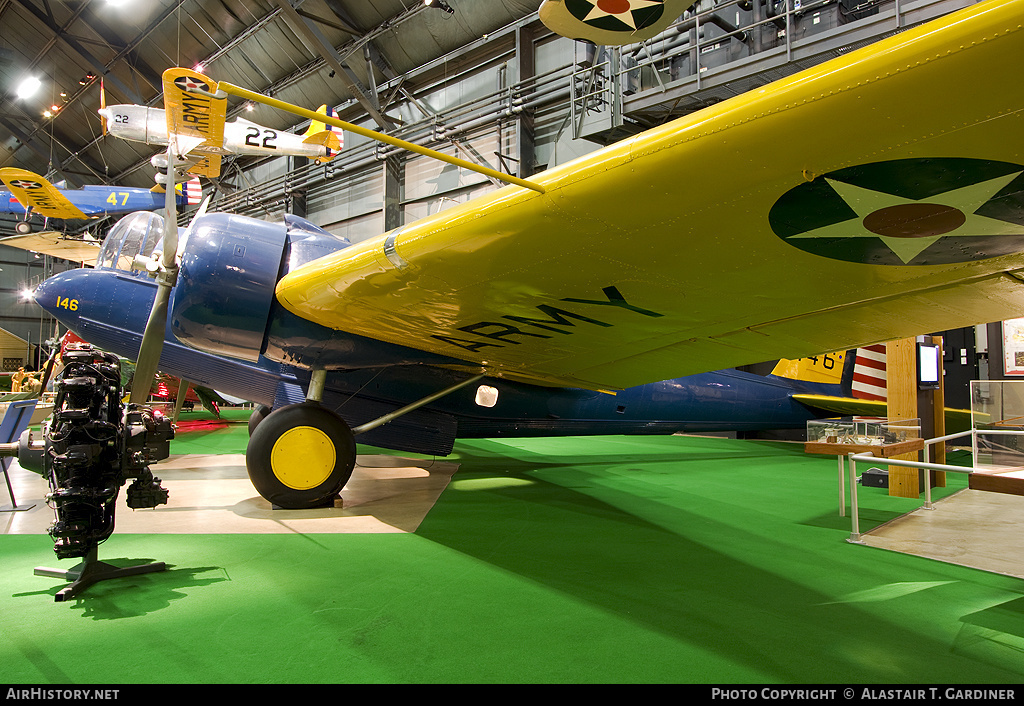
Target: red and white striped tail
point(869, 373)
point(193, 191)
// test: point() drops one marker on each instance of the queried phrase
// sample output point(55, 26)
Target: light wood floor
point(213, 494)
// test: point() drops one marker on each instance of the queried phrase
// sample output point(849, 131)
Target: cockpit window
point(135, 234)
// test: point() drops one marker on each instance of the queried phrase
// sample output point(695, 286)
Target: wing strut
point(225, 89)
point(381, 421)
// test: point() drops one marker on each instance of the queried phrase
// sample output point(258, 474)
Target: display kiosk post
point(910, 395)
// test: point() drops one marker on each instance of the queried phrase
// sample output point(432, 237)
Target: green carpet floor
point(608, 559)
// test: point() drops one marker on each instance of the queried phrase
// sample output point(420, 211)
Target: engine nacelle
point(230, 265)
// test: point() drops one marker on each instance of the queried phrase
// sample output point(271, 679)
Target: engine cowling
point(229, 266)
point(224, 296)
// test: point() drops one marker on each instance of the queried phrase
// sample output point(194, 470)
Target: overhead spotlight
point(249, 107)
point(199, 68)
point(47, 114)
point(440, 5)
point(28, 87)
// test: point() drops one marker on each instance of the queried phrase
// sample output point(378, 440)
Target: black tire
point(300, 456)
point(22, 228)
point(257, 416)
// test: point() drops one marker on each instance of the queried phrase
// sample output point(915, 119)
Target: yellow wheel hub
point(302, 458)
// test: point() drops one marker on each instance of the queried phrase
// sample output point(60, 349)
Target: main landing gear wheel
point(258, 415)
point(300, 456)
point(22, 228)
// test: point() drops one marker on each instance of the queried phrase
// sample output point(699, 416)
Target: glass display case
point(862, 431)
point(997, 415)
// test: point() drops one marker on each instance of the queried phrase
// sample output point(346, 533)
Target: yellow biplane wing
point(36, 193)
point(195, 121)
point(77, 249)
point(877, 196)
point(611, 22)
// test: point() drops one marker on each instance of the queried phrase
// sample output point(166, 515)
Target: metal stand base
point(16, 508)
point(91, 571)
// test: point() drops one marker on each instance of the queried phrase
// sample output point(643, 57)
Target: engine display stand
point(91, 571)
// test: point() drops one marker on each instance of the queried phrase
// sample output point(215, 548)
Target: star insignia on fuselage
point(907, 212)
point(617, 15)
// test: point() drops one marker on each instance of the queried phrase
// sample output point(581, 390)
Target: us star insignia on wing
point(616, 14)
point(907, 212)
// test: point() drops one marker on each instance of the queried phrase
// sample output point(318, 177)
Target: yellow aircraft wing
point(611, 22)
point(35, 192)
point(83, 250)
point(877, 196)
point(195, 122)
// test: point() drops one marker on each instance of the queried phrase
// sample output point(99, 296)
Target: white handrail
point(870, 457)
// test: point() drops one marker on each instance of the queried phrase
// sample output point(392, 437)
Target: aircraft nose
point(58, 296)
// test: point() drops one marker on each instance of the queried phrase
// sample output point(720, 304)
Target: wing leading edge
point(713, 241)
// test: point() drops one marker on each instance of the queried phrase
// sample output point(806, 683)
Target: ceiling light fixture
point(440, 5)
point(28, 87)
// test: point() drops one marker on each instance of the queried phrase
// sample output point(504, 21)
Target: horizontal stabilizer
point(957, 420)
point(327, 139)
point(329, 136)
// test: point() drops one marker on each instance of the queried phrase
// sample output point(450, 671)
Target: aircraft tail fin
point(859, 373)
point(191, 191)
point(331, 137)
point(829, 368)
point(869, 373)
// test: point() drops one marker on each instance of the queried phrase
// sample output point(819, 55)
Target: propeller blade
point(103, 105)
point(153, 336)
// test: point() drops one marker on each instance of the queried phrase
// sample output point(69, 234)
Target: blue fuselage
point(368, 378)
point(96, 201)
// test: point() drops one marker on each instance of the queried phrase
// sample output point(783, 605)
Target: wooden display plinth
point(842, 450)
point(879, 450)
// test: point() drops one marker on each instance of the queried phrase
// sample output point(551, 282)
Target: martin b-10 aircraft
point(887, 211)
point(196, 123)
point(30, 193)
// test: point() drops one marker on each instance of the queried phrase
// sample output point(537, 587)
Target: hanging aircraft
point(611, 22)
point(196, 124)
point(30, 193)
point(694, 246)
